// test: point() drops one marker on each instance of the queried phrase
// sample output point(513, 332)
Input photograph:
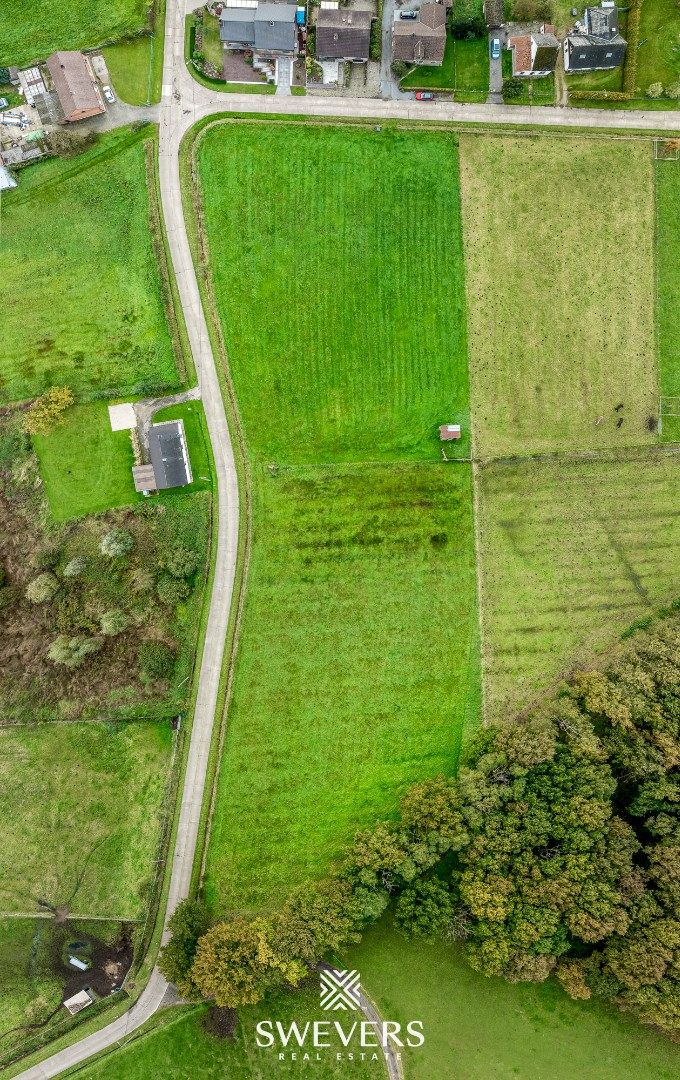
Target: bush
point(42, 589)
point(673, 92)
point(172, 591)
point(3, 576)
point(75, 567)
point(114, 622)
point(48, 410)
point(156, 660)
point(142, 579)
point(399, 68)
point(532, 10)
point(67, 143)
point(655, 90)
point(116, 543)
point(71, 652)
point(512, 87)
point(182, 562)
point(46, 558)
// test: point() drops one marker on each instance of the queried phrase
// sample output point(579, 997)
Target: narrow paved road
point(184, 101)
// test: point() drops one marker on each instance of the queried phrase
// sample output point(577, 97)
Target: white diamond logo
point(340, 989)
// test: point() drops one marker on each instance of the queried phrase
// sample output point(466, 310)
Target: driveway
point(389, 87)
point(496, 71)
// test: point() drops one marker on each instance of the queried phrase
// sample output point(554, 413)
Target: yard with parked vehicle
point(83, 301)
point(560, 297)
point(357, 669)
point(81, 810)
point(573, 551)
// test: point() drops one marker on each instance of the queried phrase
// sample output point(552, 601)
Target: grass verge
point(667, 177)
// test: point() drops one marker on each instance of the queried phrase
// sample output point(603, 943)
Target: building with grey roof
point(169, 455)
point(595, 44)
point(267, 29)
point(343, 34)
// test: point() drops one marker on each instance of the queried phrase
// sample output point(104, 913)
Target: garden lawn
point(479, 1028)
point(659, 53)
point(136, 68)
point(336, 262)
point(81, 806)
point(667, 175)
point(38, 29)
point(198, 441)
point(83, 305)
point(357, 672)
point(178, 1047)
point(30, 989)
point(434, 78)
point(560, 293)
point(533, 91)
point(573, 551)
point(85, 466)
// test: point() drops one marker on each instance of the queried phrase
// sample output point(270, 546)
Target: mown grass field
point(479, 1028)
point(36, 30)
point(336, 261)
point(659, 55)
point(81, 807)
point(357, 671)
point(83, 305)
point(572, 552)
point(560, 280)
point(179, 1047)
point(667, 174)
point(85, 466)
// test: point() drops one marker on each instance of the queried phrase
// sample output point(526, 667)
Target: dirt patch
point(221, 1023)
point(109, 963)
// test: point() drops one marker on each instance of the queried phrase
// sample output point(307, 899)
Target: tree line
point(554, 851)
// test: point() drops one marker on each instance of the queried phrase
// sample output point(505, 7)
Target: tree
point(42, 589)
point(172, 591)
point(467, 19)
point(71, 652)
point(114, 622)
point(237, 963)
point(47, 411)
point(75, 567)
point(655, 90)
point(188, 923)
point(115, 543)
point(673, 91)
point(426, 910)
point(512, 87)
point(182, 562)
point(142, 579)
point(156, 660)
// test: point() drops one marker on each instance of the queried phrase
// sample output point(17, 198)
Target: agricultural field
point(573, 551)
point(83, 297)
point(182, 1037)
point(40, 29)
point(667, 174)
point(560, 318)
point(81, 806)
point(480, 1028)
point(315, 234)
point(358, 669)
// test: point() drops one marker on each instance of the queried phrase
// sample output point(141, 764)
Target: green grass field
point(38, 30)
point(561, 324)
point(83, 300)
point(81, 807)
point(479, 1028)
point(316, 234)
point(178, 1047)
point(659, 53)
point(572, 552)
point(667, 174)
point(30, 989)
point(534, 91)
point(357, 671)
point(85, 466)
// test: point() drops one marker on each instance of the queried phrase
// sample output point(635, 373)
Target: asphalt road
point(184, 101)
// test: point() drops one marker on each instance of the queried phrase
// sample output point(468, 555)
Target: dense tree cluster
point(556, 850)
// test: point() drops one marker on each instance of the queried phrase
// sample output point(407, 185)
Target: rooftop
point(169, 455)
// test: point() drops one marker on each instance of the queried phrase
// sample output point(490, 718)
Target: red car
point(424, 95)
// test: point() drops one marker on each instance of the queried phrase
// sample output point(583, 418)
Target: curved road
point(184, 101)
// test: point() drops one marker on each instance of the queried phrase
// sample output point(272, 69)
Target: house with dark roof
point(74, 84)
point(169, 465)
point(268, 29)
point(534, 55)
point(421, 40)
point(595, 43)
point(342, 34)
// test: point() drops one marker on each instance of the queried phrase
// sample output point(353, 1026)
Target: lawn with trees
point(81, 24)
point(84, 304)
point(357, 667)
point(81, 810)
point(572, 552)
point(561, 326)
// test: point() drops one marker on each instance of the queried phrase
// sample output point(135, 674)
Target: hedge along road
point(184, 102)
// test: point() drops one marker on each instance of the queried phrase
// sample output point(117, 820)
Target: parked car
point(3, 102)
point(424, 95)
point(495, 48)
point(408, 14)
point(108, 94)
